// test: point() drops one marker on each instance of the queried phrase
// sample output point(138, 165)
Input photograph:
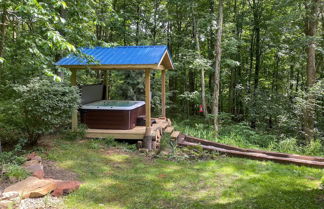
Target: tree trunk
point(203, 90)
point(3, 30)
point(312, 8)
point(256, 7)
point(218, 54)
point(2, 43)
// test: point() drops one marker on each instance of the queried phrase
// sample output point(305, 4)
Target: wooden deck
point(136, 133)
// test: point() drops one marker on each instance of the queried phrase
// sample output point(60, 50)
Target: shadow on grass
point(127, 180)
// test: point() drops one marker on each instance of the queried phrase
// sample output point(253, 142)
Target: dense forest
point(254, 61)
point(244, 123)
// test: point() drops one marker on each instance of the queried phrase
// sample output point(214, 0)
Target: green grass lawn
point(117, 178)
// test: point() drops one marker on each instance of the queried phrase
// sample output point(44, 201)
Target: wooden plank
point(175, 134)
point(228, 147)
point(136, 133)
point(169, 130)
point(74, 119)
point(257, 156)
point(169, 122)
point(163, 94)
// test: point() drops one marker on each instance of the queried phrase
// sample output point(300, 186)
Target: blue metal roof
point(122, 55)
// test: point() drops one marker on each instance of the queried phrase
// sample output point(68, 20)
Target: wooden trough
point(310, 161)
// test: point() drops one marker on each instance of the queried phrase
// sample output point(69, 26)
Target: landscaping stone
point(65, 187)
point(32, 187)
point(9, 196)
point(35, 167)
point(33, 156)
point(47, 202)
point(6, 204)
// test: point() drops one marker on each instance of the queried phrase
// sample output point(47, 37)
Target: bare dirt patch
point(4, 184)
point(54, 171)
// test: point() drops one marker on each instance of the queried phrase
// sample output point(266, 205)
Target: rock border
point(36, 185)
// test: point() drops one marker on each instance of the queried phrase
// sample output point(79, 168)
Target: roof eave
point(117, 67)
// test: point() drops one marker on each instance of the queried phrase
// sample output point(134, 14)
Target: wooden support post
point(75, 111)
point(163, 94)
point(148, 136)
point(105, 81)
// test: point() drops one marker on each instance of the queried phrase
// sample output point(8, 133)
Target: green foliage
point(314, 148)
point(288, 145)
point(72, 135)
point(15, 155)
point(44, 106)
point(94, 144)
point(14, 172)
point(244, 136)
point(110, 142)
point(37, 108)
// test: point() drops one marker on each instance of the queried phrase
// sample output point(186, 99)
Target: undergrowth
point(242, 135)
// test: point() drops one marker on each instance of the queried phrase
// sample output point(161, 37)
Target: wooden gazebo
point(146, 58)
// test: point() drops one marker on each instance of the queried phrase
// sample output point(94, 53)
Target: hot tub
point(112, 114)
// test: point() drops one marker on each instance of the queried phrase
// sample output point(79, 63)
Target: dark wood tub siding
point(111, 119)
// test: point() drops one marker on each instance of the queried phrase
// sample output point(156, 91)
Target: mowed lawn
point(119, 178)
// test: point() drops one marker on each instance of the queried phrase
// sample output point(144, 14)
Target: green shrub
point(10, 133)
point(94, 144)
point(110, 142)
point(314, 148)
point(15, 156)
point(14, 172)
point(322, 183)
point(72, 135)
point(42, 106)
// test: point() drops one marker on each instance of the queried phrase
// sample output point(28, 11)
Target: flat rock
point(33, 156)
point(9, 195)
point(32, 187)
point(65, 187)
point(35, 168)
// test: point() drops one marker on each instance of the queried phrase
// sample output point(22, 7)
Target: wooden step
point(169, 130)
point(175, 134)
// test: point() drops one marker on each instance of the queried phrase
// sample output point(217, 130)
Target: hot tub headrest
point(91, 93)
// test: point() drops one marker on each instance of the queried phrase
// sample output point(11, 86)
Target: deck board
point(136, 133)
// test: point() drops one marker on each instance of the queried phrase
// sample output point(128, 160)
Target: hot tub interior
point(113, 105)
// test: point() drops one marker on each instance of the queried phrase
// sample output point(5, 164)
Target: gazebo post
point(147, 141)
point(163, 94)
point(105, 80)
point(75, 111)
